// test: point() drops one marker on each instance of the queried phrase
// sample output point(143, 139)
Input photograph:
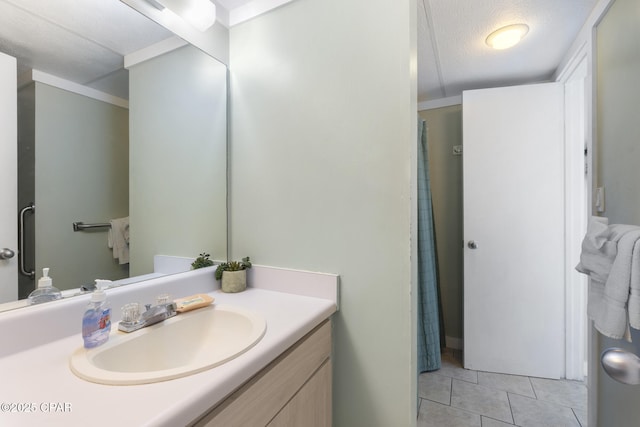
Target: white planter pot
point(234, 281)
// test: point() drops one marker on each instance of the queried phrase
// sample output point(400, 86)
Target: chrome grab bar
point(81, 226)
point(30, 274)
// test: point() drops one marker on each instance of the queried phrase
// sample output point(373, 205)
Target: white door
point(8, 180)
point(514, 230)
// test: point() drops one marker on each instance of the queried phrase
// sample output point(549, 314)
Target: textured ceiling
point(452, 54)
point(82, 41)
point(85, 40)
point(232, 4)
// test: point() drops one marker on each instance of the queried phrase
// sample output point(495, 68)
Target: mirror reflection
point(131, 150)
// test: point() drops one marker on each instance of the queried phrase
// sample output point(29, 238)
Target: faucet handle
point(131, 312)
point(163, 299)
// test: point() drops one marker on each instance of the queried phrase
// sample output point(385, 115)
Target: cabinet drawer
point(311, 406)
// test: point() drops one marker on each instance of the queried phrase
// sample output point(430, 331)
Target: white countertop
point(40, 379)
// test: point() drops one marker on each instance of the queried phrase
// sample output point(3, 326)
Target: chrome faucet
point(132, 320)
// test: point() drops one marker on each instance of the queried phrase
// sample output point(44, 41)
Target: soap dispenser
point(96, 322)
point(45, 291)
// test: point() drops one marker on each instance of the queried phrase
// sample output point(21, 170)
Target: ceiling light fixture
point(199, 13)
point(508, 36)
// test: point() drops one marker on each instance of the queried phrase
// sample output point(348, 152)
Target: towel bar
point(81, 226)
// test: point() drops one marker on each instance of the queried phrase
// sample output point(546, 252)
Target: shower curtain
point(428, 295)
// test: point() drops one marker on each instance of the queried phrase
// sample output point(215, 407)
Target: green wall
point(81, 174)
point(322, 165)
point(177, 105)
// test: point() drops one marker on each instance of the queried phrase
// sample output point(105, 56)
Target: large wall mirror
point(97, 142)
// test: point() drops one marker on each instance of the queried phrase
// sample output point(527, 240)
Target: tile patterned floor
point(457, 397)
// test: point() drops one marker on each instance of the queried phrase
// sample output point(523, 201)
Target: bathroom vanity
point(294, 390)
point(283, 380)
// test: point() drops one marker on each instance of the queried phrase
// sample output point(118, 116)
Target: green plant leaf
point(202, 261)
point(232, 266)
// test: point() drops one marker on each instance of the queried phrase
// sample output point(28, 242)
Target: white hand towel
point(598, 252)
point(633, 306)
point(610, 312)
point(119, 239)
point(611, 257)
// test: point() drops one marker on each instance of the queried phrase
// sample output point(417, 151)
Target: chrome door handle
point(472, 244)
point(621, 365)
point(6, 253)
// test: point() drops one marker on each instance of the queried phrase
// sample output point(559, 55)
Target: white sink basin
point(188, 343)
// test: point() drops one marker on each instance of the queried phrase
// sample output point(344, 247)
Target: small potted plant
point(233, 275)
point(202, 261)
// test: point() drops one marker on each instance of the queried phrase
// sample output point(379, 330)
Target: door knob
point(6, 253)
point(472, 244)
point(621, 365)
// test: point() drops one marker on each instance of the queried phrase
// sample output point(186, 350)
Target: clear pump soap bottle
point(96, 322)
point(45, 291)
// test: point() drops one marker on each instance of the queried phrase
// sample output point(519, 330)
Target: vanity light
point(508, 36)
point(199, 13)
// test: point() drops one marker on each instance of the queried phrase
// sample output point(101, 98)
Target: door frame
point(8, 177)
point(577, 200)
point(584, 47)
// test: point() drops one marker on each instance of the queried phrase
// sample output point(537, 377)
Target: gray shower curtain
point(428, 295)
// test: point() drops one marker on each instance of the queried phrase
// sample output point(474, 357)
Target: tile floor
point(457, 397)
